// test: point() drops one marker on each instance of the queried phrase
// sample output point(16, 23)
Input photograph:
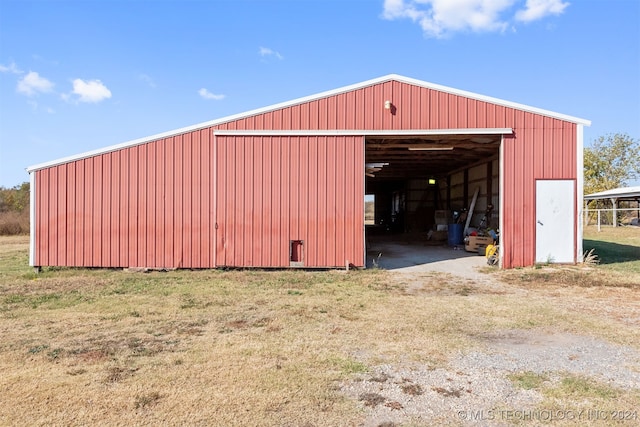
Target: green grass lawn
point(618, 249)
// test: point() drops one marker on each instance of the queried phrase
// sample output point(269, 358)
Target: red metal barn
point(284, 186)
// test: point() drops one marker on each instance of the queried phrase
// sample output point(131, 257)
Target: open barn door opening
point(424, 186)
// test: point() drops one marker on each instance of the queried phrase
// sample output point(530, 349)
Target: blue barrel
point(455, 234)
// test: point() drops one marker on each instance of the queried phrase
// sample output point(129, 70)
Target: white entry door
point(555, 221)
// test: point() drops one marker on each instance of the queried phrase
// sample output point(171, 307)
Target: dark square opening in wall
point(296, 253)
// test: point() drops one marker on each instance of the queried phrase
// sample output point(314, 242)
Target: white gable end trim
point(390, 77)
point(492, 100)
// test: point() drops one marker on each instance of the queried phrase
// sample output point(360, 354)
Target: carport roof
point(632, 193)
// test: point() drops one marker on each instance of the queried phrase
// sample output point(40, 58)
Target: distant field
point(369, 213)
point(266, 348)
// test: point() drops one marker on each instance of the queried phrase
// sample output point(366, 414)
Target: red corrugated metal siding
point(547, 152)
point(272, 190)
point(541, 148)
point(143, 206)
point(162, 214)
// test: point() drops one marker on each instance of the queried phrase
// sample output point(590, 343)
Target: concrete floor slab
point(391, 253)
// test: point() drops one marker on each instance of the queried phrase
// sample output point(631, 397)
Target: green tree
point(14, 199)
point(611, 162)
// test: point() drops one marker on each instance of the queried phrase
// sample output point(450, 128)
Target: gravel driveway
point(473, 388)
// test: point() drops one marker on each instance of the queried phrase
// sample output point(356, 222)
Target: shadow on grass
point(612, 253)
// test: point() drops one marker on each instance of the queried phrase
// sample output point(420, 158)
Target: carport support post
point(614, 201)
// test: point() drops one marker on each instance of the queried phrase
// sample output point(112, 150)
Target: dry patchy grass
point(255, 347)
point(14, 223)
point(591, 403)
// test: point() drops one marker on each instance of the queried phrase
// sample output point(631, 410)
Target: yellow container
point(491, 249)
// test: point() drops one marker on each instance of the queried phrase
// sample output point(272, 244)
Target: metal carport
point(616, 195)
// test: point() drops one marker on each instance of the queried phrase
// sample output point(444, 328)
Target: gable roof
point(383, 79)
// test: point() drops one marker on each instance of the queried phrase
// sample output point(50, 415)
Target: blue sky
point(81, 75)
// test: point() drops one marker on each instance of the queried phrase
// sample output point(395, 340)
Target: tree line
point(14, 209)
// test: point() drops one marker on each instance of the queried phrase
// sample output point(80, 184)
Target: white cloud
point(148, 80)
point(538, 9)
point(398, 9)
point(208, 95)
point(35, 107)
point(89, 91)
point(11, 68)
point(32, 83)
point(441, 18)
point(39, 58)
point(265, 51)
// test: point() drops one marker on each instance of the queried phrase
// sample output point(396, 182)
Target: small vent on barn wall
point(296, 253)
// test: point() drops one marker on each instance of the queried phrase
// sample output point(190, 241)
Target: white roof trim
point(615, 193)
point(490, 99)
point(302, 100)
point(365, 132)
